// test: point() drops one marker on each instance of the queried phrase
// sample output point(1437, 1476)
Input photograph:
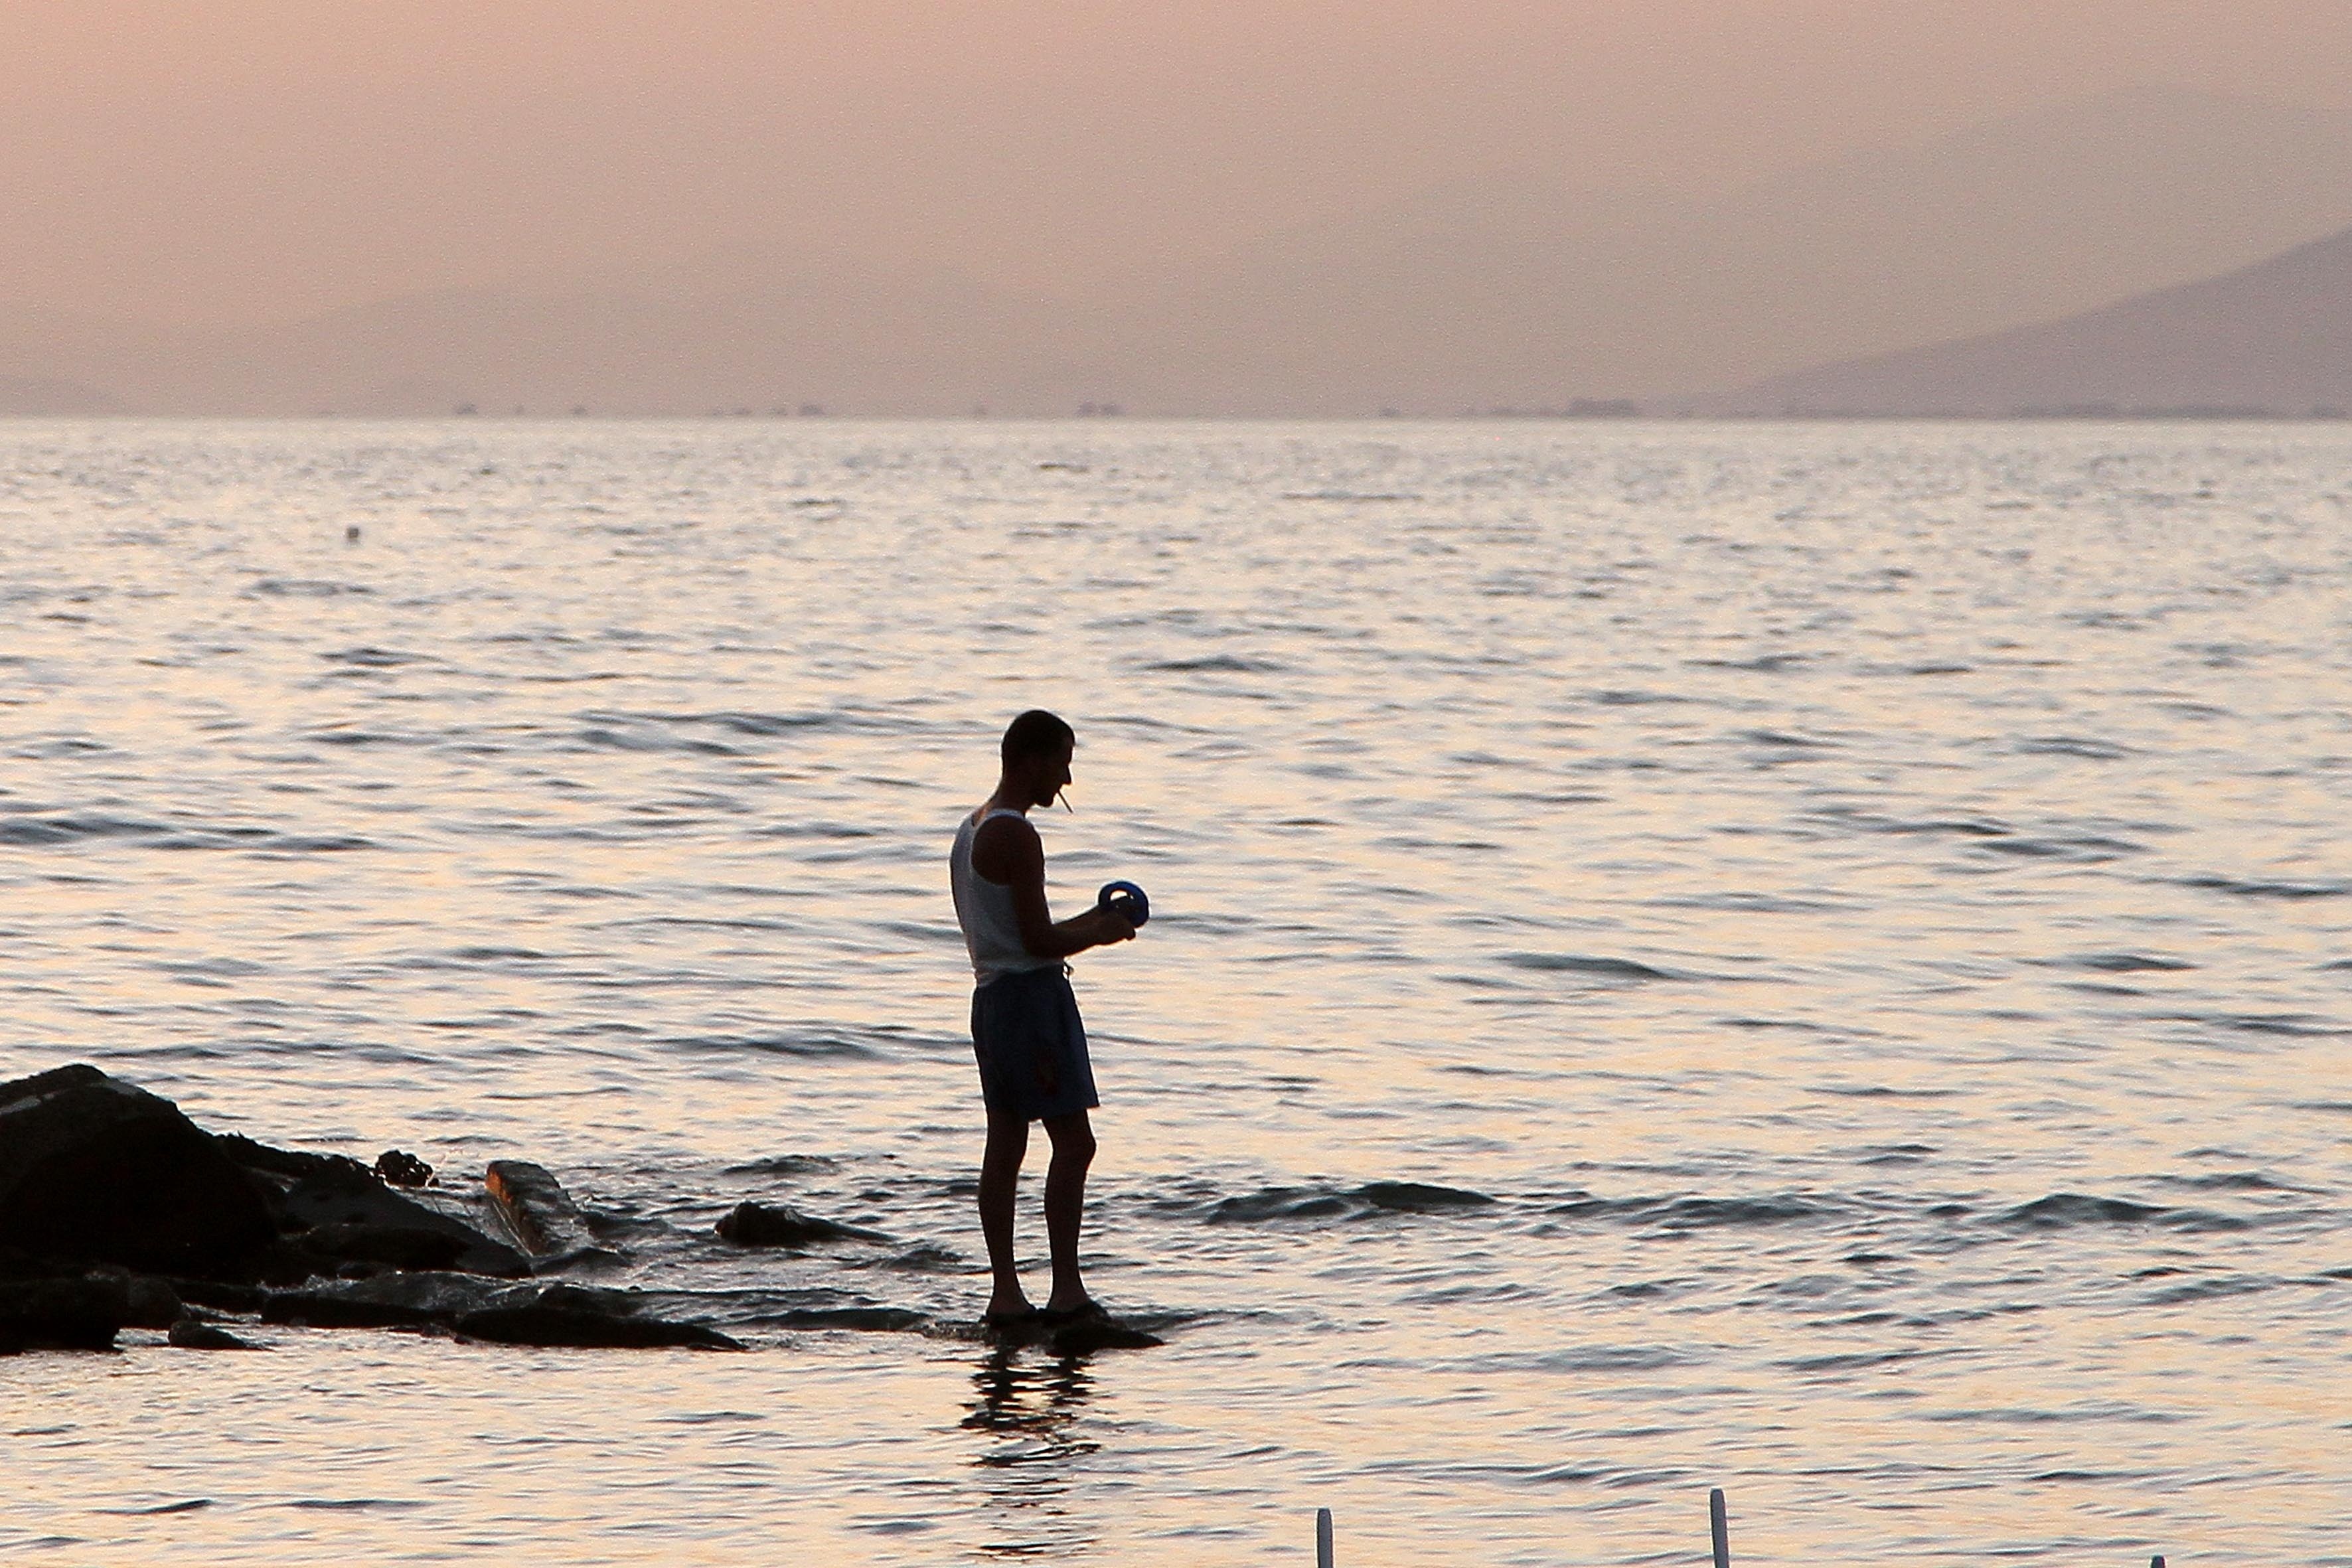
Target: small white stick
point(1322, 1538)
point(1720, 1527)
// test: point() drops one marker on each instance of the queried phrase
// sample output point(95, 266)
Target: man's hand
point(1105, 925)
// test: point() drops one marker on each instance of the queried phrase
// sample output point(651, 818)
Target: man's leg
point(1065, 1199)
point(1000, 1178)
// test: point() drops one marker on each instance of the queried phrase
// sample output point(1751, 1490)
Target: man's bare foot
point(1018, 1312)
point(1059, 1311)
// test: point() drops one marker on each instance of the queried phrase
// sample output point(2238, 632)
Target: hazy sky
point(208, 160)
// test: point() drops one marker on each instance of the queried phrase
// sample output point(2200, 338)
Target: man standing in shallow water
point(1025, 1029)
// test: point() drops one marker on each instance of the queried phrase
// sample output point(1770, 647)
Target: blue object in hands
point(1128, 899)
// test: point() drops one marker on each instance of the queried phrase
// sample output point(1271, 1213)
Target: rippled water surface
point(1808, 960)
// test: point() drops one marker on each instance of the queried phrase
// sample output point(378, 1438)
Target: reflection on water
point(1028, 1404)
point(1813, 959)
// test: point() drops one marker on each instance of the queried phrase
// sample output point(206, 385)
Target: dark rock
point(66, 1312)
point(391, 1301)
point(1089, 1335)
point(558, 1314)
point(293, 1165)
point(223, 1296)
point(389, 1245)
point(311, 1194)
point(195, 1334)
point(347, 1208)
point(536, 1209)
point(571, 1327)
point(401, 1169)
point(864, 1319)
point(773, 1225)
point(152, 1304)
point(146, 1302)
point(94, 1168)
point(1081, 1335)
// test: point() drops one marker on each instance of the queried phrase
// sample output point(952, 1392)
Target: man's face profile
point(1048, 772)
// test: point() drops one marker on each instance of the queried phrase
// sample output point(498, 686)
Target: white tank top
point(984, 908)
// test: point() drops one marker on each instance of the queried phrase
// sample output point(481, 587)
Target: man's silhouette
point(1025, 1029)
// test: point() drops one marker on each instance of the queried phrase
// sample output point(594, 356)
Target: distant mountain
point(1499, 292)
point(1507, 292)
point(2275, 337)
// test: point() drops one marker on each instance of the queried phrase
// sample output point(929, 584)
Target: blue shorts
point(1031, 1045)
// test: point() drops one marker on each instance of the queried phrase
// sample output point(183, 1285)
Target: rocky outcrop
point(116, 1212)
point(92, 1168)
point(114, 1207)
point(334, 1212)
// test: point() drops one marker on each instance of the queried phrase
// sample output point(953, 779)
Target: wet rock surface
point(774, 1225)
point(389, 1300)
point(541, 1323)
point(1082, 1335)
point(537, 1212)
point(340, 1212)
point(534, 1314)
point(195, 1335)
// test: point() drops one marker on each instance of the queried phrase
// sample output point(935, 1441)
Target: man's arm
point(1008, 852)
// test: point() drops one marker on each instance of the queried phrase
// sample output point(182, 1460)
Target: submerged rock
point(1082, 1335)
point(386, 1301)
point(1089, 1335)
point(773, 1225)
point(94, 1168)
point(220, 1295)
point(556, 1325)
point(862, 1319)
point(555, 1315)
point(195, 1334)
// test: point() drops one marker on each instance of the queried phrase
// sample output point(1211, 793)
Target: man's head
point(1036, 751)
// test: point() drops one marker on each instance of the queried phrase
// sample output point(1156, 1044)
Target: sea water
point(1806, 959)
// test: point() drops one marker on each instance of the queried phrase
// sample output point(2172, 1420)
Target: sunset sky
point(242, 159)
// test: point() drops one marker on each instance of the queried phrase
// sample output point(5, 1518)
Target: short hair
point(1036, 733)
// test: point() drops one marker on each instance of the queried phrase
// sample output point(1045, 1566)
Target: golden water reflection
point(1029, 1405)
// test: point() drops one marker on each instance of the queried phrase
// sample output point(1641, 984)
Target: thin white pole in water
point(1322, 1538)
point(1720, 1527)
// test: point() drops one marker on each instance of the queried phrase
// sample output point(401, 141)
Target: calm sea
point(1814, 960)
